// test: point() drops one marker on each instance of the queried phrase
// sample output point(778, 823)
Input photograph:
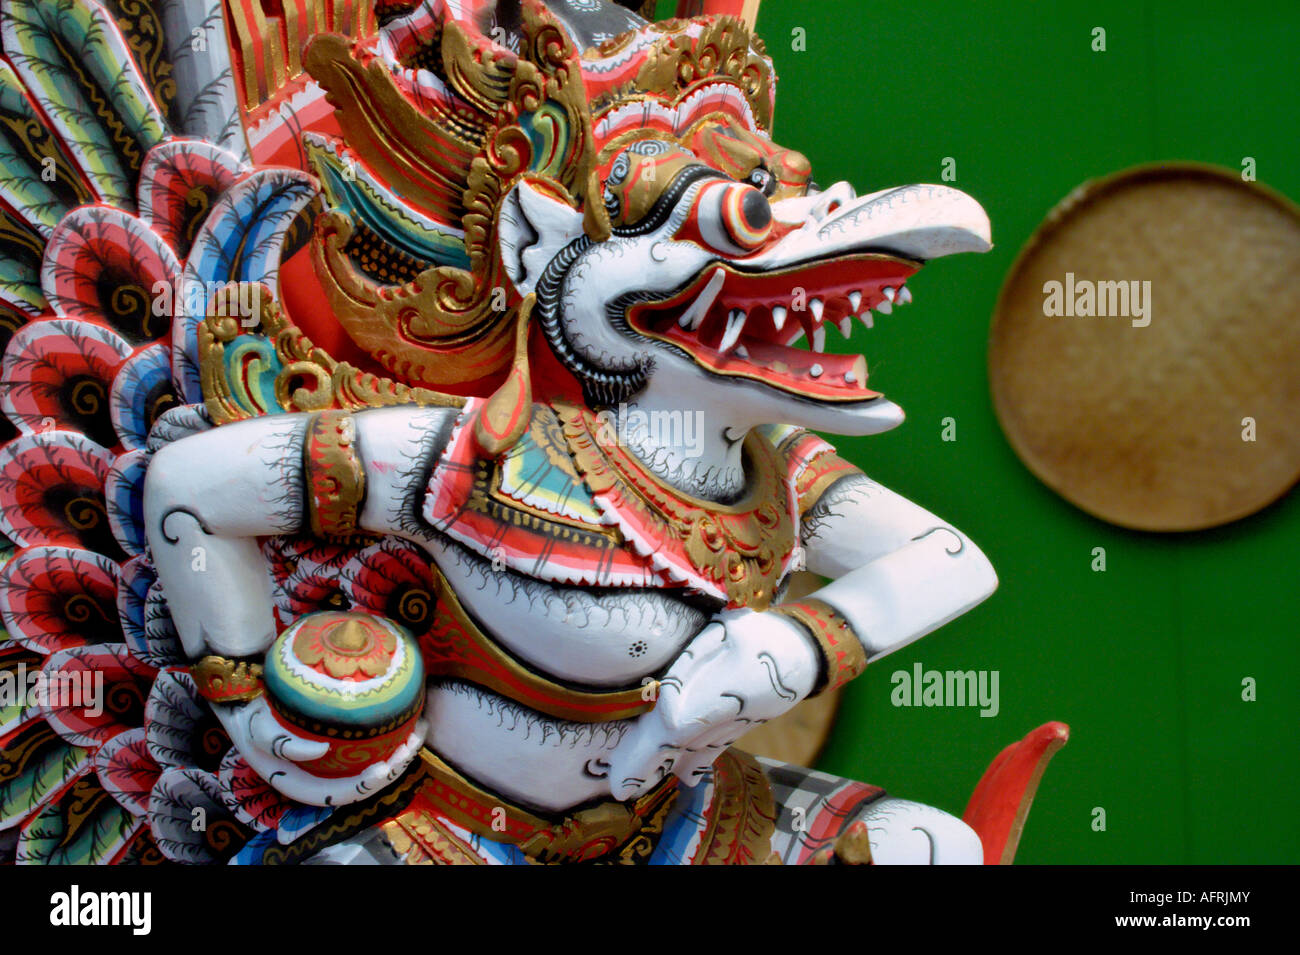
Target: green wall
point(1145, 661)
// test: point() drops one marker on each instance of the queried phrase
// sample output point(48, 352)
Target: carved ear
point(533, 227)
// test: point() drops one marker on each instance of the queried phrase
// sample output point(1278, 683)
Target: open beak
point(836, 259)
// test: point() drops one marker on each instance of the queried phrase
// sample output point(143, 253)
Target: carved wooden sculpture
point(409, 407)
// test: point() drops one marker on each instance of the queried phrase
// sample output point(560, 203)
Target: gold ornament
point(334, 475)
point(726, 48)
point(309, 379)
point(223, 680)
point(742, 547)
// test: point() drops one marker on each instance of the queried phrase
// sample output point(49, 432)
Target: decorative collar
point(736, 552)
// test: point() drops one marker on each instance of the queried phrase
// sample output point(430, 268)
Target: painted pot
point(353, 680)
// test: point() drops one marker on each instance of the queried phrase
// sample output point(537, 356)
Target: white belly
point(537, 761)
point(596, 638)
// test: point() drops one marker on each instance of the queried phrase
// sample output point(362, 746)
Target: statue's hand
point(274, 752)
point(741, 670)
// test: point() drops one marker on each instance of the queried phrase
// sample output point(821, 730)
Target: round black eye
point(747, 216)
point(757, 211)
point(763, 181)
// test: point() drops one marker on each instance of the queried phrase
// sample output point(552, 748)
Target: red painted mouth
point(746, 324)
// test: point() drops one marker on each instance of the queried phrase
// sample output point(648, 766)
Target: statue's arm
point(897, 571)
point(207, 499)
point(210, 496)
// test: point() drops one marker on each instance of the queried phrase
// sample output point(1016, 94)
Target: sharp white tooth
point(904, 296)
point(742, 351)
point(797, 337)
point(819, 338)
point(735, 325)
point(846, 326)
point(778, 316)
point(867, 319)
point(817, 308)
point(890, 292)
point(693, 316)
point(884, 308)
point(855, 300)
point(815, 371)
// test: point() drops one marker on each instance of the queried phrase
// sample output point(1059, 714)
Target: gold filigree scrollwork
point(143, 29)
point(744, 814)
point(412, 152)
point(606, 832)
point(742, 547)
point(283, 370)
point(453, 326)
point(440, 328)
point(421, 838)
point(740, 821)
point(222, 680)
point(725, 48)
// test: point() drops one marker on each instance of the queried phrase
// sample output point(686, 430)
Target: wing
point(126, 195)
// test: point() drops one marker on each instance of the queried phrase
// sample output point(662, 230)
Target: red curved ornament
point(251, 798)
point(126, 770)
point(999, 807)
point(105, 265)
point(306, 573)
point(179, 182)
point(389, 579)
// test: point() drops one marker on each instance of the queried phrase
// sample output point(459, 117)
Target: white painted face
point(719, 295)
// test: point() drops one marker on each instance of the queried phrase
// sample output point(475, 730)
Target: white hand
point(273, 751)
point(741, 670)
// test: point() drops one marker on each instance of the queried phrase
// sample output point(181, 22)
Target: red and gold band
point(842, 653)
point(735, 829)
point(222, 680)
point(348, 754)
point(456, 646)
point(816, 479)
point(587, 835)
point(335, 478)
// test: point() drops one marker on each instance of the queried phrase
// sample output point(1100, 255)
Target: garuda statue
point(408, 443)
